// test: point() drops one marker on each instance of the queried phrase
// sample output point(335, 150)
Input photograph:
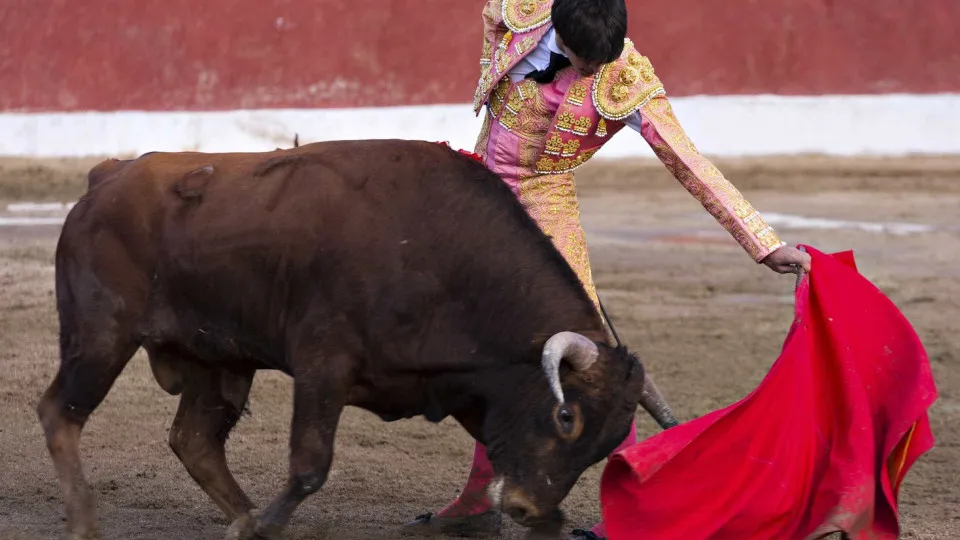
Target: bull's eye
point(565, 419)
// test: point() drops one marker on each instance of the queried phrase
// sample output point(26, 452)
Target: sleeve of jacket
point(663, 132)
point(492, 18)
point(628, 90)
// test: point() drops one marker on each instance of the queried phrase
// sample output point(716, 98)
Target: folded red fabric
point(820, 446)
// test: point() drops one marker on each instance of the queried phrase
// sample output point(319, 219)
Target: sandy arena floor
point(708, 321)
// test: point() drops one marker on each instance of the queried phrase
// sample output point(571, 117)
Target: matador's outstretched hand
point(786, 259)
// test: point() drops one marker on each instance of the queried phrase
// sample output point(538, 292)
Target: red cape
point(820, 446)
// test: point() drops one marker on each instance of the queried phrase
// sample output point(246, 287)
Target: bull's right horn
point(654, 403)
point(577, 349)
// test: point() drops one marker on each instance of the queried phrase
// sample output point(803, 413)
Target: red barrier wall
point(226, 54)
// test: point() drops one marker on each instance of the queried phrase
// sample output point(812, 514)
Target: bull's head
point(566, 417)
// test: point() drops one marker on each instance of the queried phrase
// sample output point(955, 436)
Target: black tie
point(557, 62)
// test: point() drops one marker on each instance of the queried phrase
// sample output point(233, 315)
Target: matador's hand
point(786, 259)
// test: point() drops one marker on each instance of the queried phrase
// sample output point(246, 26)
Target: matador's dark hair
point(594, 30)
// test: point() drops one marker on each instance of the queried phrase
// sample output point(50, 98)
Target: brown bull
point(396, 276)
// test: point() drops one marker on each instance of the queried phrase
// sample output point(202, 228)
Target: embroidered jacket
point(593, 109)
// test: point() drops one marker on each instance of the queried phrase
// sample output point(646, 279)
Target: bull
point(401, 277)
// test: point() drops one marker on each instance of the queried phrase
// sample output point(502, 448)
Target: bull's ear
point(636, 364)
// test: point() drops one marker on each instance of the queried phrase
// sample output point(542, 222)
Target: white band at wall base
point(885, 124)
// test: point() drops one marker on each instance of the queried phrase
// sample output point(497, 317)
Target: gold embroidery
point(629, 76)
point(552, 203)
point(508, 119)
point(515, 101)
point(754, 226)
point(547, 165)
point(601, 128)
point(525, 45)
point(521, 109)
point(743, 209)
point(525, 15)
point(528, 88)
point(707, 184)
point(503, 61)
point(480, 147)
point(577, 93)
point(534, 115)
point(625, 85)
point(486, 53)
point(571, 147)
point(565, 121)
point(497, 97)
point(769, 239)
point(481, 91)
point(619, 93)
point(642, 64)
point(529, 151)
point(499, 53)
point(554, 145)
point(582, 125)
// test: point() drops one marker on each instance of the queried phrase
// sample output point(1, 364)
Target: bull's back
point(248, 242)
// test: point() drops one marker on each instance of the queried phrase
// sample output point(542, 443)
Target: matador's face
point(582, 66)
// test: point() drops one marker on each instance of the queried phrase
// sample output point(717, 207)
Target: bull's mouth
point(542, 522)
point(541, 527)
point(522, 517)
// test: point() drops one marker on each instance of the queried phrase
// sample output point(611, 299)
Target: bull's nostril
point(519, 506)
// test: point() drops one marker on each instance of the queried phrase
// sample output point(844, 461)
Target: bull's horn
point(654, 403)
point(575, 348)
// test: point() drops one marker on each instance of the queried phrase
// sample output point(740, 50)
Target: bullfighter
point(558, 79)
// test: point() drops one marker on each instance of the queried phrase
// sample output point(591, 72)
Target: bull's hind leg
point(210, 406)
point(320, 392)
point(88, 369)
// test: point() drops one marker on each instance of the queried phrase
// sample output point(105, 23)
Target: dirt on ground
point(708, 321)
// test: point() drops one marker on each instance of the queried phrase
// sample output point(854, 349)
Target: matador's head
point(590, 32)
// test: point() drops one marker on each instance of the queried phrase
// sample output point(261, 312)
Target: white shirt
point(539, 58)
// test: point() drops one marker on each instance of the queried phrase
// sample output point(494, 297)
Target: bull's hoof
point(475, 526)
point(241, 528)
point(245, 528)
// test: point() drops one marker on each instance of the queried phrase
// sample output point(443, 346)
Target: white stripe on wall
point(889, 124)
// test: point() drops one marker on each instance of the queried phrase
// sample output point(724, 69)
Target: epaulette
point(625, 85)
point(525, 15)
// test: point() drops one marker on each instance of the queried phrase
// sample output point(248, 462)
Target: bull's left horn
point(575, 348)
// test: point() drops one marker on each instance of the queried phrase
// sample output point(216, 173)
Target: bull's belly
point(190, 333)
point(403, 397)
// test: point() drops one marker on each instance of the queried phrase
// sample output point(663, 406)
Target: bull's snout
point(517, 503)
point(520, 507)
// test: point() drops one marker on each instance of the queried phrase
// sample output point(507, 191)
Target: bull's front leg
point(319, 396)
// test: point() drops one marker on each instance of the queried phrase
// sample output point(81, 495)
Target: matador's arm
point(628, 90)
point(658, 125)
point(491, 20)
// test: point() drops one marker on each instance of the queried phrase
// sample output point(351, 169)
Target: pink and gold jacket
point(590, 110)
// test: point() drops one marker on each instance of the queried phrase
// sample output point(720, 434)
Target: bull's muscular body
point(396, 276)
